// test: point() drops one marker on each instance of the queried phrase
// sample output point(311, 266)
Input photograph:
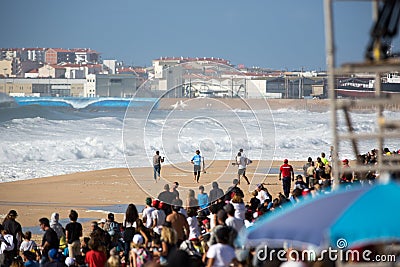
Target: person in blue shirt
point(196, 161)
point(202, 198)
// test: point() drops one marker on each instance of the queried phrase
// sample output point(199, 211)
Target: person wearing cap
point(54, 259)
point(102, 223)
point(13, 228)
point(346, 176)
point(146, 213)
point(196, 161)
point(285, 174)
point(158, 216)
point(139, 254)
point(69, 262)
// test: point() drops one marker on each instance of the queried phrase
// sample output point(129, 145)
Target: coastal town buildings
point(58, 71)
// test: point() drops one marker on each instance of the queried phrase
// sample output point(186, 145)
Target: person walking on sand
point(196, 161)
point(285, 173)
point(242, 163)
point(157, 160)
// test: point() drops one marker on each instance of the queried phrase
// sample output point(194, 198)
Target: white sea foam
point(38, 147)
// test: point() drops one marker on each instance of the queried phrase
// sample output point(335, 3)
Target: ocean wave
point(42, 141)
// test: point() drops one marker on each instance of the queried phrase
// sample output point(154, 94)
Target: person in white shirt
point(262, 194)
point(242, 163)
point(221, 254)
point(232, 221)
point(146, 213)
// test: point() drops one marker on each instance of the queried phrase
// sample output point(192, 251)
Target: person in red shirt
point(95, 257)
point(285, 173)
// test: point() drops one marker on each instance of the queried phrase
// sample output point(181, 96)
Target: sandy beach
point(87, 191)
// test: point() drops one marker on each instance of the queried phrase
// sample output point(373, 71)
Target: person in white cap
point(139, 254)
point(70, 261)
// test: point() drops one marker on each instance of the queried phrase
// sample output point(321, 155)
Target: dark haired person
point(196, 161)
point(221, 254)
point(73, 232)
point(49, 240)
point(157, 160)
point(285, 173)
point(13, 228)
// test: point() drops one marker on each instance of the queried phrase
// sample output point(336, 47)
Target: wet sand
point(91, 193)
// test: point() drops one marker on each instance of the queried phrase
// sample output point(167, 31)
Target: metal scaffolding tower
point(386, 129)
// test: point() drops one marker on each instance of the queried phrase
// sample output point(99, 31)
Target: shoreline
point(84, 191)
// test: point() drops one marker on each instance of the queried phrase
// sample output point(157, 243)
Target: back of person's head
point(191, 193)
point(28, 235)
point(157, 152)
point(191, 211)
point(148, 201)
point(86, 239)
point(237, 198)
point(214, 185)
point(17, 262)
point(179, 258)
point(166, 187)
point(113, 261)
point(55, 217)
point(155, 203)
point(230, 210)
point(73, 215)
point(309, 159)
point(169, 235)
point(110, 217)
point(44, 221)
point(222, 235)
point(176, 208)
point(31, 256)
point(131, 213)
point(94, 243)
point(80, 260)
point(221, 216)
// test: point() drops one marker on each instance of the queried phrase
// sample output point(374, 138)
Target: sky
point(279, 34)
